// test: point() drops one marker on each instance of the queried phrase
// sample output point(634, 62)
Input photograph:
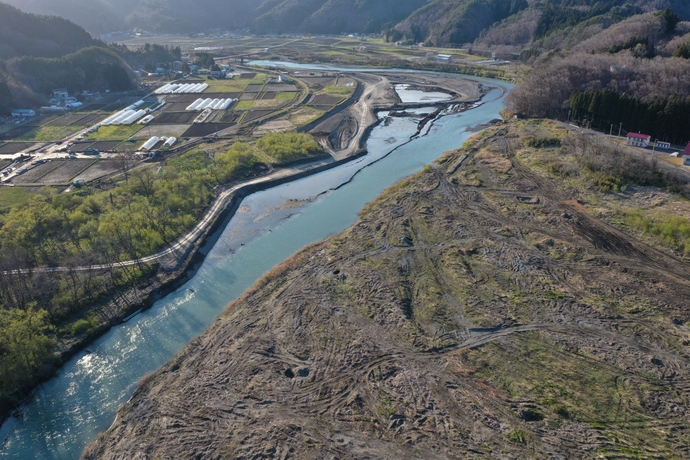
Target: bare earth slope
point(474, 311)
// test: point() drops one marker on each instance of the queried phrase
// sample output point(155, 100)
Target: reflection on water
point(409, 94)
point(68, 411)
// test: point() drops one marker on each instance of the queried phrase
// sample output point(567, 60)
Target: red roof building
point(639, 140)
point(687, 149)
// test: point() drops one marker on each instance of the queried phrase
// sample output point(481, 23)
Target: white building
point(639, 140)
point(23, 113)
point(60, 93)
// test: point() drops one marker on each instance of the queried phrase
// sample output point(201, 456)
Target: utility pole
point(620, 127)
point(611, 130)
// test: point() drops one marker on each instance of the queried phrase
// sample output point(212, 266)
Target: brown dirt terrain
point(204, 129)
point(16, 147)
point(340, 133)
point(476, 310)
point(174, 118)
point(67, 170)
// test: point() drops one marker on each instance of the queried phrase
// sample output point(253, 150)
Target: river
point(68, 411)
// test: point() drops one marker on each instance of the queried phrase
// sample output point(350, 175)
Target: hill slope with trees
point(432, 21)
point(39, 53)
point(632, 74)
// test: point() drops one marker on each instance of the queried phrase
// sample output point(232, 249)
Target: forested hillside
point(632, 74)
point(24, 34)
point(507, 23)
point(446, 21)
point(94, 15)
point(39, 53)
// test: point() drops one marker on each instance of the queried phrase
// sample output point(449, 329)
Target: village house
point(686, 155)
point(23, 113)
point(639, 140)
point(60, 93)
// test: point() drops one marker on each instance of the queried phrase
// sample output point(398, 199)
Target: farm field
point(324, 99)
point(243, 105)
point(34, 174)
point(225, 86)
point(204, 129)
point(66, 171)
point(78, 119)
point(50, 133)
point(253, 115)
point(279, 87)
point(115, 132)
point(99, 169)
point(269, 103)
point(173, 118)
point(175, 130)
point(11, 148)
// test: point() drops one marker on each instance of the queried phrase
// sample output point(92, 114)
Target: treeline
point(546, 91)
point(24, 34)
point(148, 209)
point(565, 14)
point(663, 119)
point(89, 68)
point(442, 21)
point(150, 56)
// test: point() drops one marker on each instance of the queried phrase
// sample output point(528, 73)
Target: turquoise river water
point(67, 412)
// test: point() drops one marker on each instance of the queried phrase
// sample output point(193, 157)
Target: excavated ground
point(476, 310)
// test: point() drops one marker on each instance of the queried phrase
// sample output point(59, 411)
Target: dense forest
point(663, 119)
point(91, 68)
point(24, 34)
point(132, 218)
point(148, 57)
point(632, 73)
point(39, 53)
point(431, 21)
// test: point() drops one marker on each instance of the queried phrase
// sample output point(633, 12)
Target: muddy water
point(68, 411)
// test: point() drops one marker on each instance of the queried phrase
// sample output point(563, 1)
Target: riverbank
point(180, 263)
point(486, 306)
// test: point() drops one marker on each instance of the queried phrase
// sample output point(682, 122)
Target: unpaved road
point(477, 310)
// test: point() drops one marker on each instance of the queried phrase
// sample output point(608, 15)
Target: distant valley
point(432, 21)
